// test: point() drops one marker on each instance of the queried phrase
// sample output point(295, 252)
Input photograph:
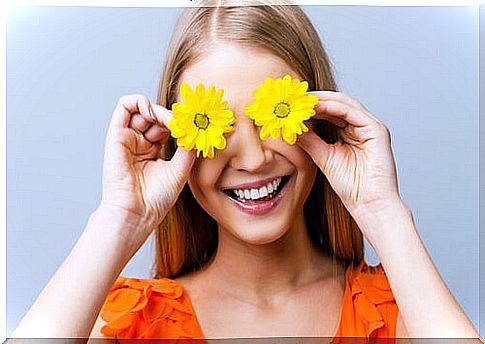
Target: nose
point(247, 151)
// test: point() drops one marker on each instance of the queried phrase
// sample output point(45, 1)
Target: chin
point(259, 232)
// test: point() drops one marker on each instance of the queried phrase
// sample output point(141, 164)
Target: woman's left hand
point(360, 166)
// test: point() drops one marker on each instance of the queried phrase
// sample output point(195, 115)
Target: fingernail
point(152, 114)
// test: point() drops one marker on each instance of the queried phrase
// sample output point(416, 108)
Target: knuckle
point(351, 100)
point(347, 97)
point(347, 112)
point(142, 99)
point(344, 95)
point(123, 100)
point(385, 130)
point(127, 98)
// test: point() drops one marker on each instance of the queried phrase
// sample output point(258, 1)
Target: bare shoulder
point(192, 283)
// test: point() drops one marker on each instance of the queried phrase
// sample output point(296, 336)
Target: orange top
point(160, 308)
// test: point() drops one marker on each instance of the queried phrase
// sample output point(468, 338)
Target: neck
point(262, 271)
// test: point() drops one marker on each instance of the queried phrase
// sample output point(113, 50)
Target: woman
point(292, 265)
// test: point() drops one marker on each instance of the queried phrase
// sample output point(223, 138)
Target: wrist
point(126, 230)
point(113, 214)
point(379, 216)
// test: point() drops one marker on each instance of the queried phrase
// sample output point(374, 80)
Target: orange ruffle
point(148, 308)
point(369, 308)
point(159, 308)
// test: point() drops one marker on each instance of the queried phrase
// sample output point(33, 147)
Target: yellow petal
point(286, 88)
point(303, 127)
point(200, 141)
point(275, 133)
point(228, 129)
point(199, 98)
point(218, 142)
point(186, 92)
point(218, 98)
point(303, 87)
point(214, 130)
point(288, 136)
point(210, 152)
point(264, 132)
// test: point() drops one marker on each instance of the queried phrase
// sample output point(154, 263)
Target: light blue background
point(415, 68)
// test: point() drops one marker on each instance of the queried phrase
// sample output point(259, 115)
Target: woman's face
point(248, 164)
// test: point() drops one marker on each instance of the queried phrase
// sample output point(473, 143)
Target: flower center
point(201, 120)
point(282, 110)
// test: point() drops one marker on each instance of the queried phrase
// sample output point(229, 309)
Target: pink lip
point(257, 207)
point(252, 185)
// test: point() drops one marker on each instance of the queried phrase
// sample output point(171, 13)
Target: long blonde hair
point(187, 238)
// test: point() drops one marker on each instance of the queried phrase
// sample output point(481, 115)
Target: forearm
point(425, 303)
point(69, 304)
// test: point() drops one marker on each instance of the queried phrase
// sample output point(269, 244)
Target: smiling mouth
point(262, 194)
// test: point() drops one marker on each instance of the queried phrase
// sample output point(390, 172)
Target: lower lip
point(261, 208)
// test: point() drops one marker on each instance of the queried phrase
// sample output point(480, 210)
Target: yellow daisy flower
point(201, 120)
point(280, 106)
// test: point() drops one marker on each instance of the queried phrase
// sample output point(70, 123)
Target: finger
point(181, 163)
point(156, 133)
point(139, 123)
point(334, 120)
point(130, 140)
point(332, 111)
point(127, 106)
point(338, 96)
point(344, 98)
point(316, 148)
point(161, 114)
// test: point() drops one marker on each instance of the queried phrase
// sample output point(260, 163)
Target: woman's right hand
point(136, 181)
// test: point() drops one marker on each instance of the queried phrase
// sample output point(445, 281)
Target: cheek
point(302, 161)
point(203, 177)
point(306, 168)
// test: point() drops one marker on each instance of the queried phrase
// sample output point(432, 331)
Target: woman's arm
point(427, 307)
point(360, 168)
point(70, 302)
point(139, 188)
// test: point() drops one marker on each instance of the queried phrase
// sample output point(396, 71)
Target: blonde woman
point(284, 260)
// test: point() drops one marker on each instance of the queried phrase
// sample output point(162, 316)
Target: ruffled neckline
point(367, 287)
point(148, 308)
point(159, 308)
point(359, 279)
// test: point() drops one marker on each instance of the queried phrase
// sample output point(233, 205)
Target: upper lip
point(252, 185)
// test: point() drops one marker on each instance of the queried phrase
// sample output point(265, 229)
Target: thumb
point(316, 148)
point(181, 164)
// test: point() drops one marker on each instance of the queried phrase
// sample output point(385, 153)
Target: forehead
point(236, 69)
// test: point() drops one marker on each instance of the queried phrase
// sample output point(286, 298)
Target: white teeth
point(264, 191)
point(270, 187)
point(254, 194)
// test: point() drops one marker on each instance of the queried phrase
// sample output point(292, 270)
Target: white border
point(7, 5)
point(186, 3)
point(3, 171)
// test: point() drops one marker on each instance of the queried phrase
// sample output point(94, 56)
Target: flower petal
point(186, 92)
